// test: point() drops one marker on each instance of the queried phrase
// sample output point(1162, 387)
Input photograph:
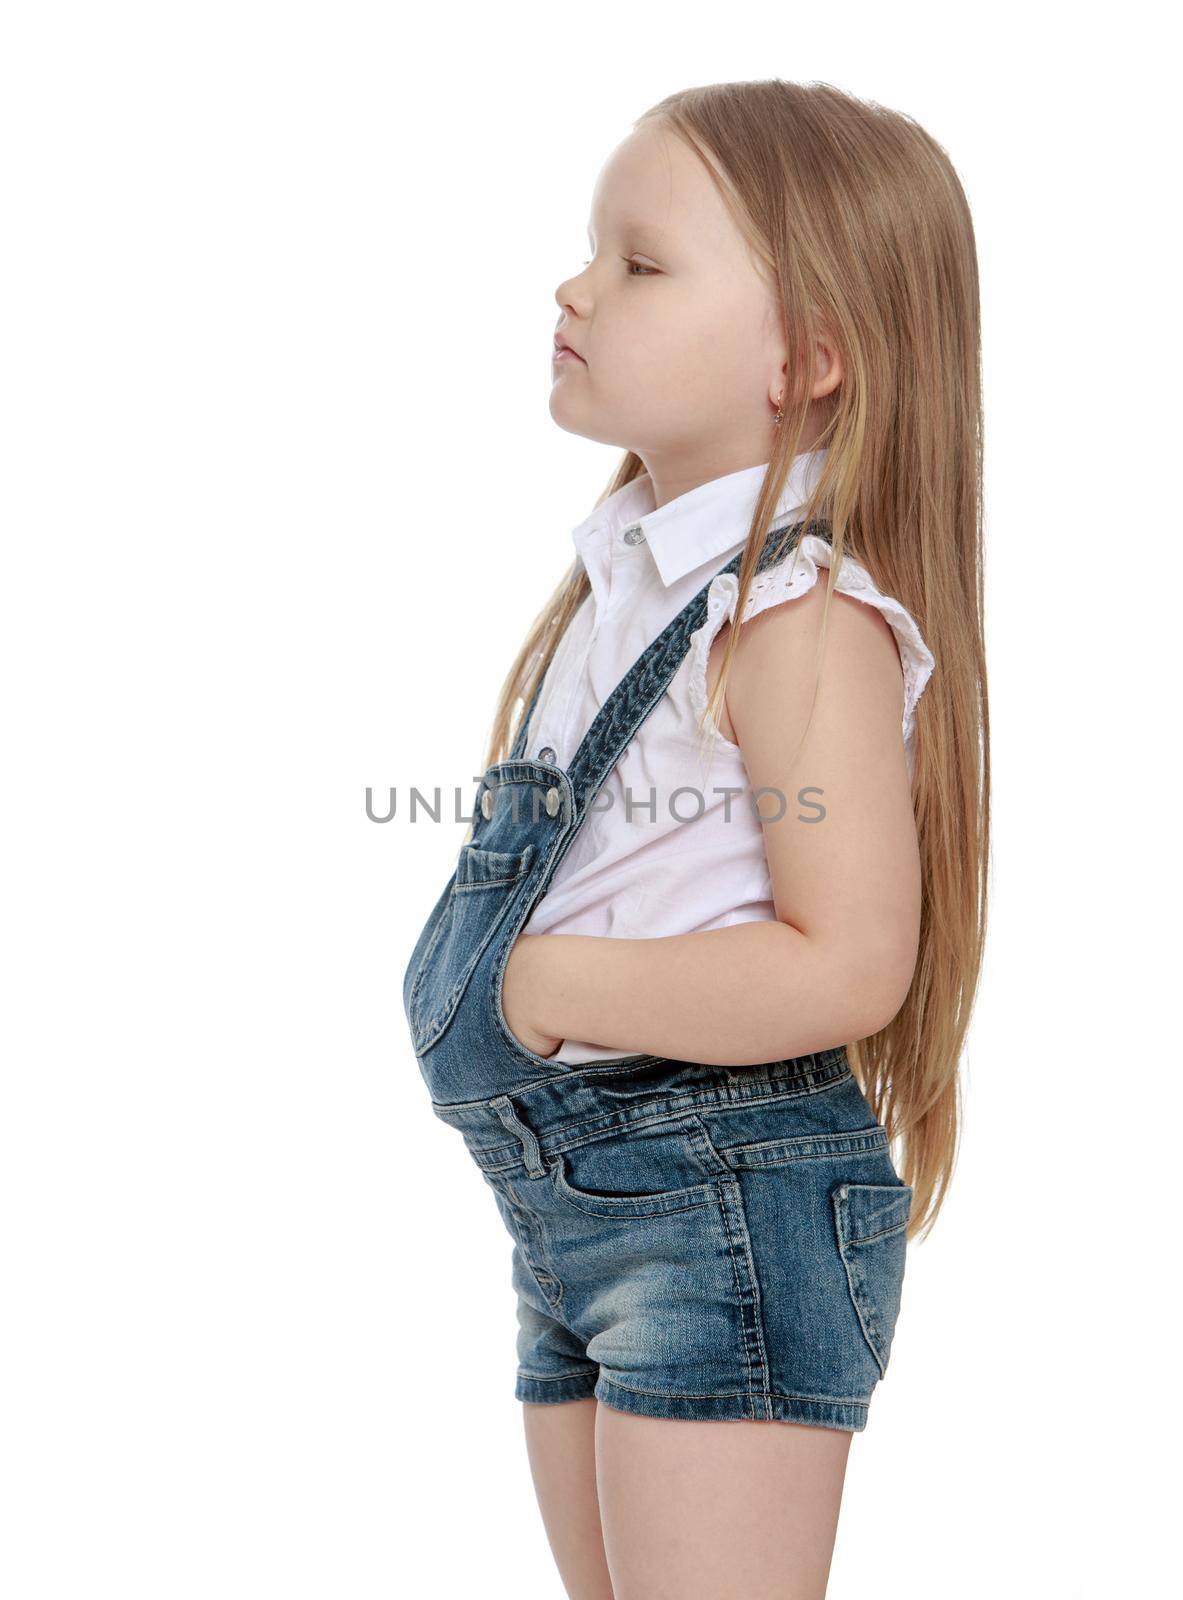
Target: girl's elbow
point(882, 979)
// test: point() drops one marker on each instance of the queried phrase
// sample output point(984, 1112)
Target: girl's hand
point(517, 996)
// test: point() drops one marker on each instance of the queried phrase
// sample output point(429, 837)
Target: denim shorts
point(698, 1241)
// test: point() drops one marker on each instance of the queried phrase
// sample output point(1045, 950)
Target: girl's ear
point(830, 370)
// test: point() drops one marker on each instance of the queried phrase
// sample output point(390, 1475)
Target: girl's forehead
point(653, 184)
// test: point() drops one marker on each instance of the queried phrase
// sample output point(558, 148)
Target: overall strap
point(637, 693)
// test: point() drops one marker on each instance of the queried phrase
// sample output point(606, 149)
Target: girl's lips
point(565, 354)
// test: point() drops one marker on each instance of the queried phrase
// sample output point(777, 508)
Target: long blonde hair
point(863, 227)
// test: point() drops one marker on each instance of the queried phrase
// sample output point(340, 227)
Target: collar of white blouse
point(700, 526)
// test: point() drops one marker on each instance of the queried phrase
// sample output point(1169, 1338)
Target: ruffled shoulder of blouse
point(793, 576)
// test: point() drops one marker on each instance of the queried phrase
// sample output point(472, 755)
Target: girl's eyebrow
point(635, 226)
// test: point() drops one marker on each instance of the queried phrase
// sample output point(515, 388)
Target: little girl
point(711, 946)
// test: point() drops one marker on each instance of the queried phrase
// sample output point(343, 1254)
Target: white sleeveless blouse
point(672, 843)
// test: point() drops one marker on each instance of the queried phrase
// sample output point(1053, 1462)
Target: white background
point(281, 494)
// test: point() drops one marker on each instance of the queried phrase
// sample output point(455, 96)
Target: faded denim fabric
point(689, 1240)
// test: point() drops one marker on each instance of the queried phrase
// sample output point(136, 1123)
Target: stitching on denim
point(489, 883)
point(622, 1205)
point(525, 1241)
point(738, 1394)
point(666, 1109)
point(838, 1065)
point(543, 1274)
point(540, 1272)
point(858, 1141)
point(884, 1233)
point(729, 1189)
point(739, 1300)
point(425, 959)
point(735, 1229)
point(429, 1035)
point(533, 1377)
point(704, 1148)
point(860, 1296)
point(836, 1144)
point(889, 1206)
point(812, 1082)
point(518, 863)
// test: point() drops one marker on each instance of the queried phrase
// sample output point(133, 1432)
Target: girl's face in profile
point(682, 354)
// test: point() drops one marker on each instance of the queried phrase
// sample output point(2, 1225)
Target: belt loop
point(503, 1106)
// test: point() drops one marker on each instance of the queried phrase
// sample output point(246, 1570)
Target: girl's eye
point(640, 265)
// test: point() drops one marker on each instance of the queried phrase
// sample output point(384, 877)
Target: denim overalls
point(647, 1197)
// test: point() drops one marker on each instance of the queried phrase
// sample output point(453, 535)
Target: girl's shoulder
point(794, 577)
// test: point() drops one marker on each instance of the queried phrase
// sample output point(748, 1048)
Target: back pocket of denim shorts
point(870, 1220)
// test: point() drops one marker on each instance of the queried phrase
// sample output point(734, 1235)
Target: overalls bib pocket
point(479, 894)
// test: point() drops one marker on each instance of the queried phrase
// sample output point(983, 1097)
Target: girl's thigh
point(718, 1510)
point(561, 1445)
